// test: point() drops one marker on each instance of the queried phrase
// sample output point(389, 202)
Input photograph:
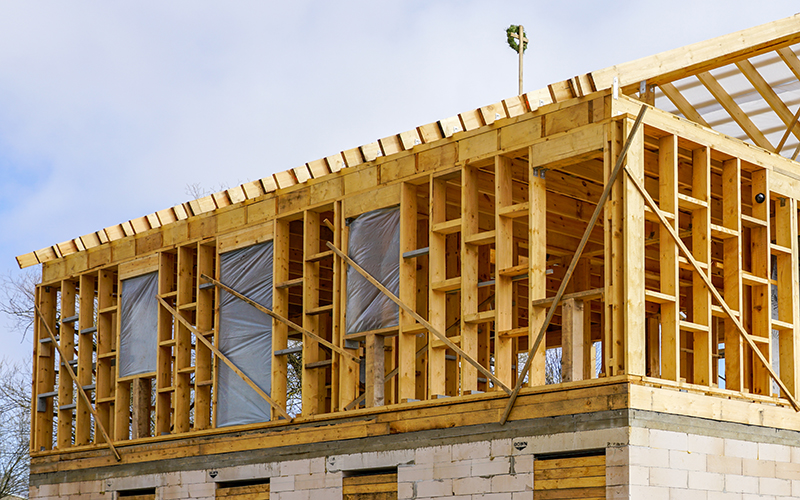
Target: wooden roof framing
point(744, 84)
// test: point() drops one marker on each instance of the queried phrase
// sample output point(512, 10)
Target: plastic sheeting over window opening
point(374, 244)
point(245, 335)
point(138, 335)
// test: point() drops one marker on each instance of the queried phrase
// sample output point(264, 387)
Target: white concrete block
point(723, 495)
point(414, 473)
point(491, 467)
point(254, 471)
point(432, 454)
point(772, 486)
point(648, 457)
point(292, 467)
point(522, 495)
point(648, 492)
point(511, 483)
point(669, 478)
point(435, 488)
point(618, 492)
point(639, 436)
point(194, 476)
point(471, 485)
point(776, 452)
point(309, 481)
point(741, 484)
point(706, 444)
point(617, 475)
point(316, 465)
point(617, 455)
point(758, 468)
point(493, 496)
point(669, 440)
point(468, 451)
point(452, 470)
point(724, 464)
point(741, 449)
point(500, 448)
point(687, 461)
point(699, 480)
point(522, 464)
point(405, 491)
point(682, 494)
point(173, 492)
point(637, 475)
point(785, 470)
point(281, 483)
point(294, 495)
point(197, 490)
point(326, 494)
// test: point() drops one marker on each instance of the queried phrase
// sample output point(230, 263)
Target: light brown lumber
point(571, 268)
point(716, 293)
point(788, 294)
point(669, 281)
point(775, 103)
point(74, 378)
point(732, 218)
point(224, 358)
point(311, 322)
point(418, 318)
point(733, 109)
point(280, 318)
point(684, 106)
point(703, 369)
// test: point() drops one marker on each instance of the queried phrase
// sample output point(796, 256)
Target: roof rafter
point(684, 106)
point(778, 106)
point(733, 109)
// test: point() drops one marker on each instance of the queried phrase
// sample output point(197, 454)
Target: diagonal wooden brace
point(575, 258)
point(199, 335)
point(80, 388)
point(280, 318)
point(411, 312)
point(715, 293)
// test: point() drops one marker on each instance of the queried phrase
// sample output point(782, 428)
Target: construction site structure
point(587, 291)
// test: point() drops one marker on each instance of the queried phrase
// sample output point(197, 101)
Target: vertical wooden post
point(65, 385)
point(582, 279)
point(761, 293)
point(375, 370)
point(83, 423)
point(205, 324)
point(701, 249)
point(349, 370)
point(788, 292)
point(572, 340)
point(140, 404)
point(280, 304)
point(107, 311)
point(504, 259)
point(469, 276)
point(437, 300)
point(183, 339)
point(634, 336)
point(537, 267)
point(407, 342)
point(311, 351)
point(164, 381)
point(614, 257)
point(732, 265)
point(45, 367)
point(668, 258)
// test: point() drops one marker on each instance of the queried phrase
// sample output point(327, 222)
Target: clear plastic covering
point(245, 335)
point(138, 334)
point(374, 244)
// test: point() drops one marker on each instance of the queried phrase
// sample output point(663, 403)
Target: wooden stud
point(280, 304)
point(106, 351)
point(86, 315)
point(786, 234)
point(437, 298)
point(407, 342)
point(760, 267)
point(668, 259)
point(469, 275)
point(701, 249)
point(164, 357)
point(537, 270)
point(203, 381)
point(311, 350)
point(732, 262)
point(572, 340)
point(65, 386)
point(504, 259)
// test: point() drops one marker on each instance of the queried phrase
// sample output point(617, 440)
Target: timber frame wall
point(492, 206)
point(489, 221)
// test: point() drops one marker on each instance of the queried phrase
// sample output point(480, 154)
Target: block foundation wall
point(648, 456)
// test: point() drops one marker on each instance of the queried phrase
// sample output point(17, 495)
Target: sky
point(109, 110)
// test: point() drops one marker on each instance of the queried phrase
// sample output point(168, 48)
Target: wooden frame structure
point(688, 280)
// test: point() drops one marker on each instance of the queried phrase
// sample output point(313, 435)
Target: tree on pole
point(514, 34)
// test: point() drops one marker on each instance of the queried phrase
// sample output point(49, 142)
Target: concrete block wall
point(665, 465)
point(650, 458)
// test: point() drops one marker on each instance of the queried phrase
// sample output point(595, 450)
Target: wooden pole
point(521, 49)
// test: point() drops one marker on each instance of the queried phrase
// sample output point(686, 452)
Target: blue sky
point(108, 110)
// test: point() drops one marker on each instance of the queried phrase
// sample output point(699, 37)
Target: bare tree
point(17, 292)
point(14, 429)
